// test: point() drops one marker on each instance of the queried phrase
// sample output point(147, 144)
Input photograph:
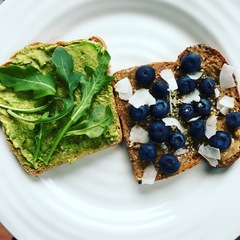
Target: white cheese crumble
point(142, 97)
point(211, 154)
point(138, 135)
point(226, 77)
point(124, 88)
point(194, 96)
point(173, 122)
point(168, 76)
point(211, 126)
point(149, 174)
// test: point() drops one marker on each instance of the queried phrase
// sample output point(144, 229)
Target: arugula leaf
point(38, 140)
point(46, 117)
point(90, 85)
point(93, 127)
point(64, 69)
point(27, 79)
point(27, 110)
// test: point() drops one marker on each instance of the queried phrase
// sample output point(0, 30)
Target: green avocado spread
point(24, 134)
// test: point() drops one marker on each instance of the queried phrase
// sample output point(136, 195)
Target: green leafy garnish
point(64, 69)
point(91, 84)
point(27, 79)
point(93, 127)
point(59, 112)
point(38, 140)
point(26, 110)
point(78, 119)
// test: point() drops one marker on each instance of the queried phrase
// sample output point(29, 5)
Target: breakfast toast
point(173, 114)
point(33, 117)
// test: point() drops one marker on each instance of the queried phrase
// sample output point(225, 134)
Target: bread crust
point(17, 152)
point(211, 63)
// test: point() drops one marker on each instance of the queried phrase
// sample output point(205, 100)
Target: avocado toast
point(175, 114)
point(57, 103)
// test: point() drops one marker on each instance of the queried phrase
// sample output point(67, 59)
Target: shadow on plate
point(215, 171)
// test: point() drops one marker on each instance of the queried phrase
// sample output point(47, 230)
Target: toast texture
point(21, 135)
point(211, 65)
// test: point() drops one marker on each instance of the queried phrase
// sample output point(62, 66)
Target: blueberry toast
point(176, 114)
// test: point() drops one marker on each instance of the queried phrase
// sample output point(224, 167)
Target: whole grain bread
point(211, 65)
point(63, 154)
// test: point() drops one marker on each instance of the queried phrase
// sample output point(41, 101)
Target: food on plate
point(175, 114)
point(57, 103)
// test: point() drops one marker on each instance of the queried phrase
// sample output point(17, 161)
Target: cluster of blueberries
point(160, 133)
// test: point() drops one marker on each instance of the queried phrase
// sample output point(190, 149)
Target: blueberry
point(169, 163)
point(147, 152)
point(220, 140)
point(197, 129)
point(186, 85)
point(233, 119)
point(160, 90)
point(186, 111)
point(139, 114)
point(145, 75)
point(207, 86)
point(191, 62)
point(160, 109)
point(177, 140)
point(158, 132)
point(202, 107)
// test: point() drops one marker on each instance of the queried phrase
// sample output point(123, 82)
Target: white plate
point(97, 198)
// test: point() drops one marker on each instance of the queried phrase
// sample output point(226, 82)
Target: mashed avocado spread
point(33, 136)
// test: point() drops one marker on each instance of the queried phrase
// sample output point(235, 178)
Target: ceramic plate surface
point(97, 198)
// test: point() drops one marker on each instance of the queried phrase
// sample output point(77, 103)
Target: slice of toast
point(21, 135)
point(211, 64)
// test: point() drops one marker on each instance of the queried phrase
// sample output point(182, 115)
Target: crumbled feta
point(141, 97)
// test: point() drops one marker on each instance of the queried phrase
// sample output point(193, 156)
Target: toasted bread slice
point(211, 64)
point(21, 135)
